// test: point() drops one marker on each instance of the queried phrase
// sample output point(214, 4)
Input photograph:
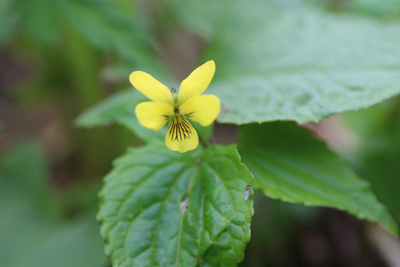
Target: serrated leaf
point(277, 62)
point(290, 164)
point(142, 208)
point(120, 108)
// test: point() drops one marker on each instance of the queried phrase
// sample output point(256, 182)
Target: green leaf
point(206, 17)
point(141, 208)
point(289, 164)
point(377, 129)
point(203, 131)
point(278, 62)
point(120, 108)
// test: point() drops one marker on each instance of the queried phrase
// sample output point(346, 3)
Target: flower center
point(176, 110)
point(179, 128)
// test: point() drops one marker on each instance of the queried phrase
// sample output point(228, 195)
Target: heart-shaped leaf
point(290, 164)
point(163, 208)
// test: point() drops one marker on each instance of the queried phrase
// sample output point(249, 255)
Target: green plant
point(276, 60)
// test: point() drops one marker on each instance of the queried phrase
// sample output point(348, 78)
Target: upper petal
point(153, 115)
point(150, 87)
point(197, 82)
point(204, 109)
point(181, 135)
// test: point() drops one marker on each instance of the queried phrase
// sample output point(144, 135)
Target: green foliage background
point(277, 61)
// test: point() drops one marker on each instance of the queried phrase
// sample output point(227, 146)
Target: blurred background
point(58, 58)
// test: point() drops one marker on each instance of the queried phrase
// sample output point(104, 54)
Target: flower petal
point(153, 115)
point(181, 135)
point(150, 87)
point(197, 82)
point(204, 109)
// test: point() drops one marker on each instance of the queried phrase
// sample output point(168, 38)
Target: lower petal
point(204, 109)
point(181, 135)
point(153, 115)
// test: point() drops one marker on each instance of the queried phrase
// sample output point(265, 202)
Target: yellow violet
point(181, 135)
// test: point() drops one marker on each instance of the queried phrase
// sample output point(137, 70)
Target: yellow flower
point(189, 103)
